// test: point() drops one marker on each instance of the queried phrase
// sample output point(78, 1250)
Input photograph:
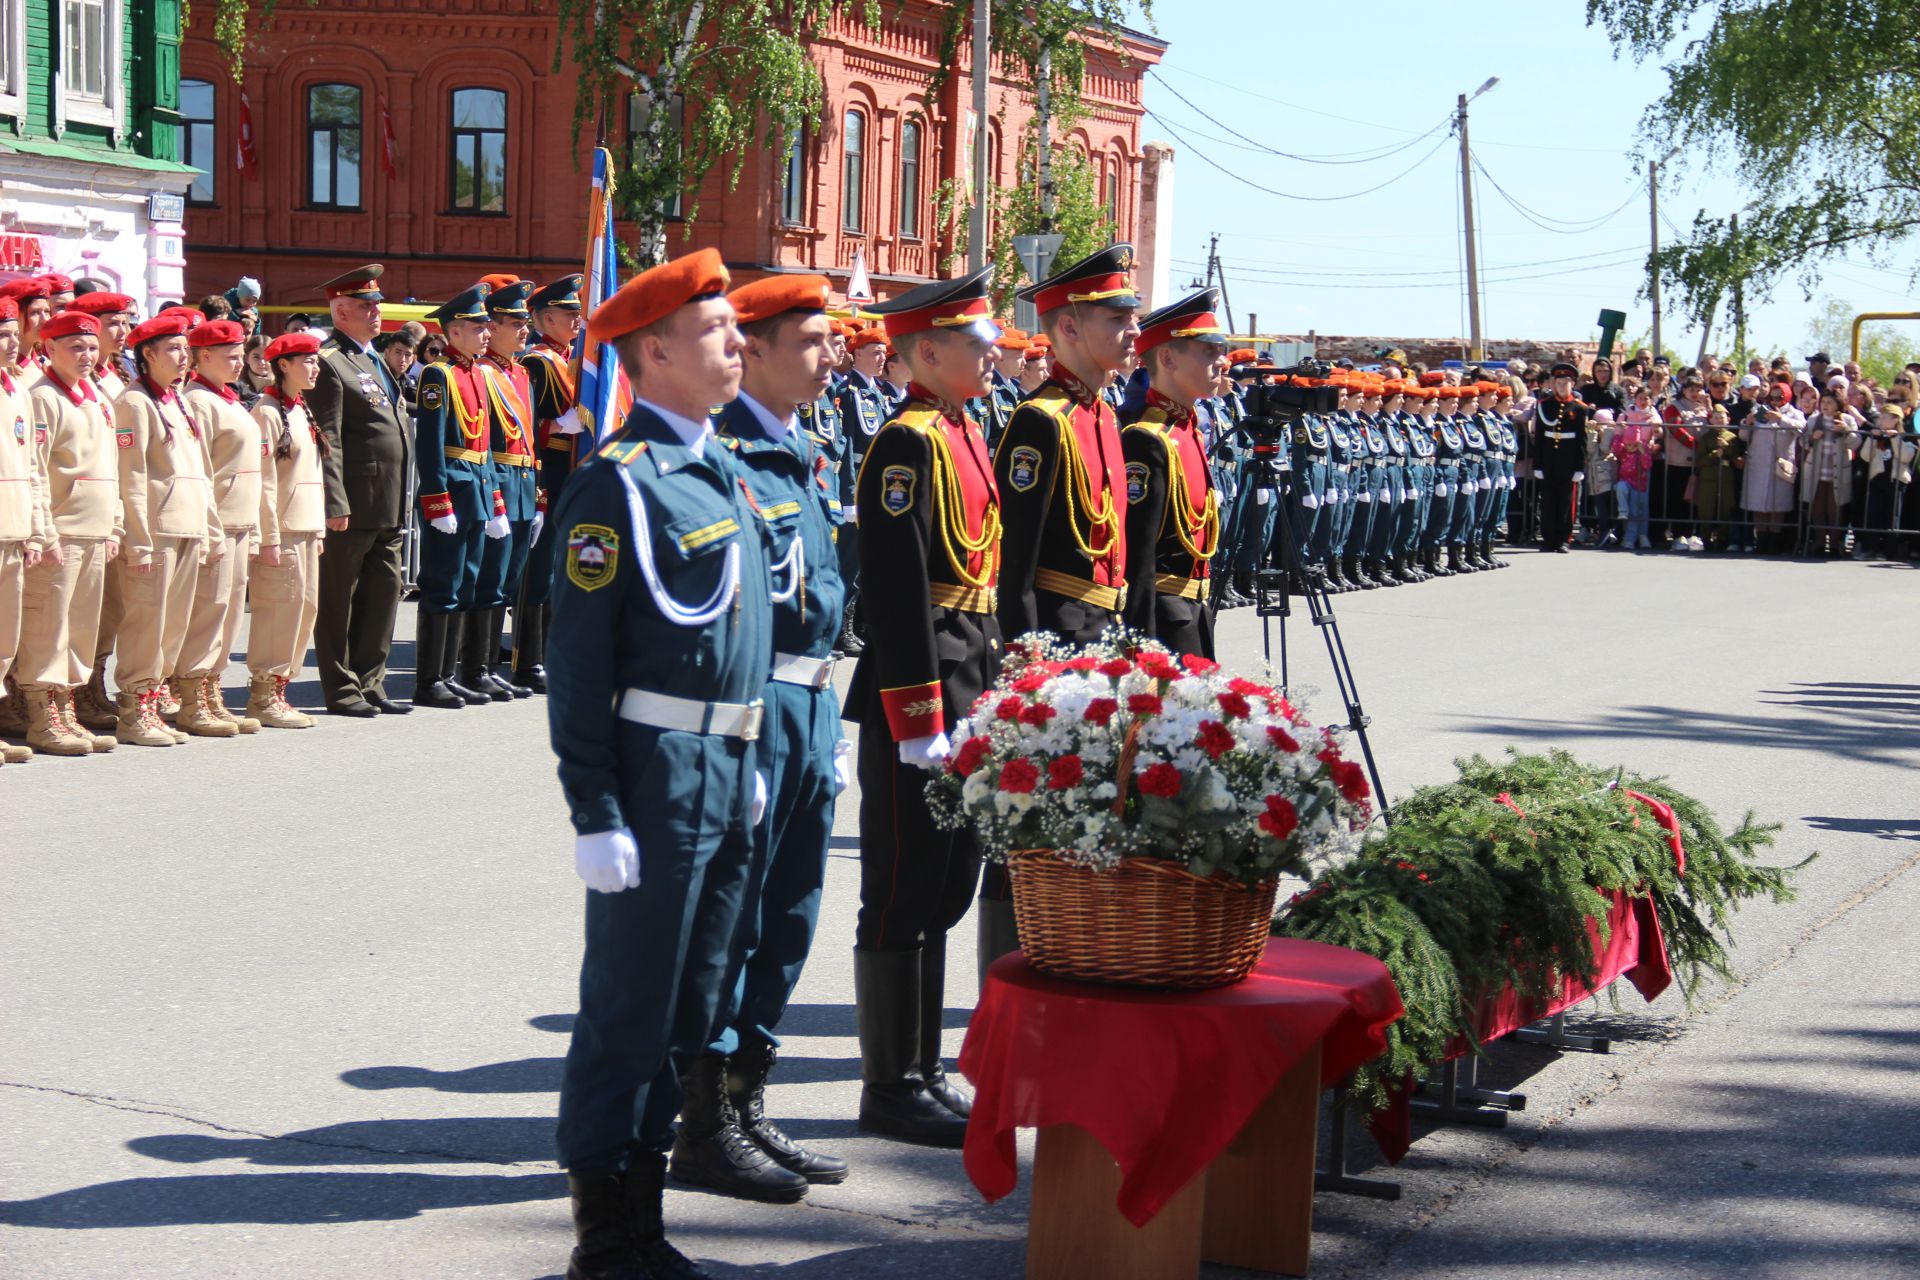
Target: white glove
point(1309, 501)
point(539, 523)
point(1578, 476)
point(569, 422)
point(448, 523)
point(850, 513)
point(1260, 497)
point(842, 765)
point(1386, 495)
point(1442, 490)
point(1538, 474)
point(1363, 496)
point(926, 753)
point(608, 861)
point(497, 527)
point(759, 799)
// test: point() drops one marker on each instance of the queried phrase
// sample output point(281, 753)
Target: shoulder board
point(623, 450)
point(732, 443)
point(818, 441)
point(917, 416)
point(1050, 400)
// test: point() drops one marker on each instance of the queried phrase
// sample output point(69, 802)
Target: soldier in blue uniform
point(460, 498)
point(1498, 425)
point(727, 1141)
point(662, 641)
point(1373, 492)
point(1416, 425)
point(864, 407)
point(1448, 491)
point(1476, 482)
point(548, 360)
point(1308, 504)
point(1340, 486)
point(1400, 480)
point(515, 461)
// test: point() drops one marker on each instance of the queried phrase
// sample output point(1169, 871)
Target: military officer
point(934, 649)
point(548, 362)
point(1560, 454)
point(726, 1139)
point(662, 640)
point(515, 457)
point(1173, 512)
point(26, 527)
point(863, 404)
point(460, 500)
point(359, 407)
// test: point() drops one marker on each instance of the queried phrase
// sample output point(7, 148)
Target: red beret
point(24, 289)
point(500, 280)
point(868, 338)
point(194, 316)
point(215, 333)
point(69, 323)
point(9, 310)
point(101, 304)
point(158, 327)
point(772, 295)
point(292, 344)
point(657, 293)
point(56, 281)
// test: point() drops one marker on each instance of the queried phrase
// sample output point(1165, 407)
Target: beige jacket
point(23, 488)
point(164, 483)
point(73, 441)
point(234, 443)
point(296, 481)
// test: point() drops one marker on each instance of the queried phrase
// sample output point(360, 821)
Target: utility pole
point(1474, 351)
point(1706, 332)
point(1215, 272)
point(1739, 303)
point(1653, 259)
point(982, 185)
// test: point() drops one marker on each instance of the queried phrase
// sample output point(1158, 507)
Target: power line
point(1248, 264)
point(1364, 156)
point(1284, 277)
point(1288, 195)
point(1569, 226)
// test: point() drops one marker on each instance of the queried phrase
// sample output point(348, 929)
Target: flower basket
point(1145, 922)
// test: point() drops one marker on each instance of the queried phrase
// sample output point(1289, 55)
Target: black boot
point(1486, 554)
point(893, 1098)
point(646, 1188)
point(933, 1010)
point(849, 642)
point(430, 664)
point(476, 647)
point(604, 1246)
point(1454, 563)
point(747, 1073)
point(458, 639)
point(713, 1151)
point(1358, 575)
point(1243, 587)
point(530, 647)
point(1435, 565)
point(497, 627)
point(1336, 584)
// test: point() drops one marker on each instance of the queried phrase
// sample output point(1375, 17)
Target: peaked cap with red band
point(361, 282)
point(70, 323)
point(1191, 317)
point(292, 344)
point(215, 333)
point(945, 304)
point(1104, 279)
point(101, 304)
point(770, 296)
point(657, 293)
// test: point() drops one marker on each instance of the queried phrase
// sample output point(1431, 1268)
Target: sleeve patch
point(593, 552)
point(432, 395)
point(124, 437)
point(1136, 481)
point(896, 490)
point(1023, 468)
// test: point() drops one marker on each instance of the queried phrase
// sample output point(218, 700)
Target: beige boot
point(140, 723)
point(167, 707)
point(92, 707)
point(13, 710)
point(10, 754)
point(63, 708)
point(46, 730)
point(195, 718)
point(267, 702)
point(217, 707)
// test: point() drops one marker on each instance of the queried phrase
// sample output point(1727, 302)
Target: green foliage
point(1078, 217)
point(1465, 895)
point(1885, 348)
point(1036, 36)
point(1814, 103)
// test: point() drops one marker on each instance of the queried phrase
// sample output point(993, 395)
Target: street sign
point(165, 206)
point(1036, 256)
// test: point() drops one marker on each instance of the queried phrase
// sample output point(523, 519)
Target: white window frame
point(76, 108)
point(13, 31)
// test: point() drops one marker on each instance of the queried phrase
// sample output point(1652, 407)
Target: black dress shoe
point(472, 697)
point(747, 1073)
point(713, 1151)
point(386, 706)
point(357, 708)
point(438, 696)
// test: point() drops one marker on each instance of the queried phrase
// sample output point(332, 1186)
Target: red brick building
point(486, 175)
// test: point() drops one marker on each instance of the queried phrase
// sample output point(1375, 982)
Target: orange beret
point(1041, 345)
point(500, 280)
point(868, 338)
point(292, 344)
point(69, 323)
point(657, 293)
point(215, 333)
point(770, 296)
point(158, 327)
point(1432, 378)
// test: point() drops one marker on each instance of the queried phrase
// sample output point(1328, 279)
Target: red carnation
point(1144, 704)
point(1351, 779)
point(1159, 666)
point(1249, 688)
point(1160, 780)
point(1031, 680)
point(1281, 739)
point(1038, 714)
point(1214, 738)
point(1085, 662)
point(1236, 705)
point(1065, 772)
point(1280, 819)
point(1009, 708)
point(1019, 776)
point(1114, 668)
point(971, 753)
point(1408, 866)
point(1100, 711)
point(1198, 665)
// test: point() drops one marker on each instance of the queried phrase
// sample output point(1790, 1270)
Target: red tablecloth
point(1164, 1080)
point(1635, 950)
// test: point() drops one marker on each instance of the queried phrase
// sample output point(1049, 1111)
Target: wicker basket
point(1144, 923)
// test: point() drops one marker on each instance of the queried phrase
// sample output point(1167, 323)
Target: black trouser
point(1674, 494)
point(1556, 509)
point(360, 583)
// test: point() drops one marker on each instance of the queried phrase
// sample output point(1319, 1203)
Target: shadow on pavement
point(1900, 830)
point(523, 1075)
point(475, 1139)
point(839, 1020)
point(274, 1198)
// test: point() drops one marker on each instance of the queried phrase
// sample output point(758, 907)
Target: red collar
point(163, 394)
point(1068, 381)
point(556, 347)
point(1178, 415)
point(457, 360)
point(6, 380)
point(947, 409)
point(225, 393)
point(79, 395)
point(294, 403)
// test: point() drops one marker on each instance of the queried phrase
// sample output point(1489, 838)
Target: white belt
point(810, 673)
point(1560, 435)
point(688, 715)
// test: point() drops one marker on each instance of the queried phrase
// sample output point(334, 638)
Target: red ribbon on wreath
point(1663, 814)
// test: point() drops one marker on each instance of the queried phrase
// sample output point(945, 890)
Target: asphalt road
point(295, 1005)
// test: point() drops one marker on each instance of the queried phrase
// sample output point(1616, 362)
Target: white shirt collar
point(777, 431)
point(692, 434)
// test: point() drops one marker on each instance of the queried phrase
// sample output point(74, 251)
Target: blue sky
point(1556, 134)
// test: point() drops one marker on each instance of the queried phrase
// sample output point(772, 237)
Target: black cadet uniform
point(550, 377)
point(1560, 452)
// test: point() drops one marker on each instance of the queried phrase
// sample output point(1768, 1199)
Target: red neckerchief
point(161, 400)
point(6, 380)
point(224, 392)
point(1178, 415)
point(78, 394)
point(294, 403)
point(951, 412)
point(1068, 381)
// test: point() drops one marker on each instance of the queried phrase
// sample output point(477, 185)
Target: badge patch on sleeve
point(431, 395)
point(1023, 469)
point(593, 550)
point(19, 430)
point(39, 433)
point(124, 438)
point(1136, 481)
point(896, 490)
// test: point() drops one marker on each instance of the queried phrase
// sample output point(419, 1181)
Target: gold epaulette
point(920, 417)
point(623, 450)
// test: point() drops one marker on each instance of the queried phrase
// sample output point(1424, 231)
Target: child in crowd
point(1633, 448)
point(1717, 466)
point(1603, 507)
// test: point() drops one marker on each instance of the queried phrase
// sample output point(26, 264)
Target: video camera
point(1275, 399)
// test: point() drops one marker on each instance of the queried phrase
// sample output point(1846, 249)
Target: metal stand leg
point(1451, 1102)
point(1556, 1036)
point(1334, 1177)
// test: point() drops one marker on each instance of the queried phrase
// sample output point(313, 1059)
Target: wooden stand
point(1252, 1208)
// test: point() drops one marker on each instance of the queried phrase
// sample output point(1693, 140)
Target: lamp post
point(1474, 350)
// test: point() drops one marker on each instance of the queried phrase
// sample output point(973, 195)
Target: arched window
point(1111, 201)
point(853, 172)
point(477, 177)
point(195, 137)
point(793, 189)
point(333, 146)
point(910, 180)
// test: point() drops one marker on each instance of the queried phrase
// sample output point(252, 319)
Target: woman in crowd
point(1826, 474)
point(1633, 446)
point(1772, 436)
point(1717, 467)
point(1889, 455)
point(256, 377)
point(1602, 472)
point(286, 577)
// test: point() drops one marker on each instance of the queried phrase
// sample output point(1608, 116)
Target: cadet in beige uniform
point(25, 527)
point(286, 572)
point(73, 440)
point(172, 526)
point(92, 705)
point(238, 453)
